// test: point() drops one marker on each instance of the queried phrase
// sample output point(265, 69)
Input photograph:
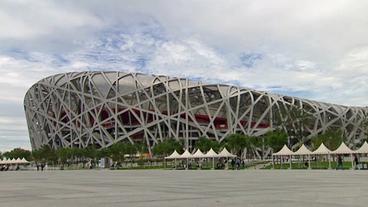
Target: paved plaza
point(184, 188)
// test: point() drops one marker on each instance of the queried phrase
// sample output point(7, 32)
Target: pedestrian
point(237, 164)
point(356, 161)
point(339, 162)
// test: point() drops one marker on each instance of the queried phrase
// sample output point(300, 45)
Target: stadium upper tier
point(101, 108)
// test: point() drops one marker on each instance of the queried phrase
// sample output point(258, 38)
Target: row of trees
point(240, 144)
point(118, 152)
point(62, 156)
point(236, 143)
point(331, 139)
point(16, 153)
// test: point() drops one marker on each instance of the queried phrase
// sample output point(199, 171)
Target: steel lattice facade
point(102, 108)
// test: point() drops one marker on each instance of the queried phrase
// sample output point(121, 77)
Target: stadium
point(81, 109)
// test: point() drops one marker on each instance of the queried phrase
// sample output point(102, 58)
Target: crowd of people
point(9, 168)
point(222, 163)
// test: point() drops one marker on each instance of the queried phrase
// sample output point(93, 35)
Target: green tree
point(205, 144)
point(18, 153)
point(104, 152)
point(332, 139)
point(64, 154)
point(141, 148)
point(45, 154)
point(90, 152)
point(130, 149)
point(276, 140)
point(255, 143)
point(167, 147)
point(237, 143)
point(117, 151)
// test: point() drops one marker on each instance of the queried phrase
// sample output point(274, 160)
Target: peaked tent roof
point(343, 149)
point(321, 150)
point(186, 154)
point(284, 151)
point(174, 155)
point(13, 161)
point(24, 160)
point(225, 153)
point(5, 161)
point(198, 154)
point(211, 153)
point(363, 149)
point(303, 150)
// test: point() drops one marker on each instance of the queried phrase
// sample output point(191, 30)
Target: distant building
point(101, 108)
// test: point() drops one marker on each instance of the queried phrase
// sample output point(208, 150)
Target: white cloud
point(26, 20)
point(316, 50)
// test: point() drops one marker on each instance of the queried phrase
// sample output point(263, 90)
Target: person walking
point(356, 161)
point(339, 162)
point(233, 163)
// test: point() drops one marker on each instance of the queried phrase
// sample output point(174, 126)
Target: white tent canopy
point(186, 154)
point(321, 150)
point(342, 149)
point(174, 155)
point(284, 151)
point(211, 153)
point(303, 150)
point(225, 153)
point(24, 160)
point(363, 149)
point(198, 154)
point(6, 161)
point(21, 161)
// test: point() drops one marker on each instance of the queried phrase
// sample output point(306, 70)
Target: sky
point(310, 49)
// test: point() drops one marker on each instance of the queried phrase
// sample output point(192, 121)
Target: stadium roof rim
point(195, 83)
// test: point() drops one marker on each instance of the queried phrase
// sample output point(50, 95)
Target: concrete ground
point(184, 188)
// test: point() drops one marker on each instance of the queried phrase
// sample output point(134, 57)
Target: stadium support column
point(148, 143)
point(116, 110)
point(168, 113)
point(228, 115)
point(186, 115)
point(69, 117)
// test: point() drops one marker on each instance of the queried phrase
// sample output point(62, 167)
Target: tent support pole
point(273, 162)
point(290, 162)
point(352, 162)
point(227, 164)
point(309, 162)
point(329, 161)
point(213, 163)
